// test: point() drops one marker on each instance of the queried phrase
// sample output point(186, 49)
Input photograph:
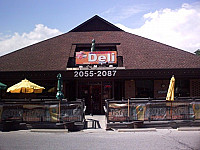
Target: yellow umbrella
point(25, 86)
point(170, 93)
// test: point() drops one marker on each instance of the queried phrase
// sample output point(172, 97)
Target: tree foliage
point(197, 52)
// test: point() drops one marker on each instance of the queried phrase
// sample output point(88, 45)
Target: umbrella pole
point(128, 109)
point(171, 110)
point(59, 111)
point(172, 99)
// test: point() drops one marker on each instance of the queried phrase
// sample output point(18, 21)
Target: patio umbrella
point(59, 94)
point(25, 86)
point(2, 86)
point(170, 93)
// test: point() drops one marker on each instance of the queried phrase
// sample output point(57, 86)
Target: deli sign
point(97, 57)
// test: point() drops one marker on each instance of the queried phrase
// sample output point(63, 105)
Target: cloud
point(120, 13)
point(9, 43)
point(179, 27)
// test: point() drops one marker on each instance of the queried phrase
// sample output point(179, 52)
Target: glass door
point(95, 94)
point(95, 99)
point(91, 92)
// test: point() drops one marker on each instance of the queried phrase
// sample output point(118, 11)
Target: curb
point(138, 130)
point(50, 130)
point(189, 129)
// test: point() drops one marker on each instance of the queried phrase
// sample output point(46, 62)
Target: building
point(116, 65)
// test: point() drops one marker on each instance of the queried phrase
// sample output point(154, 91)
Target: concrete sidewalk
point(154, 129)
point(189, 129)
point(50, 130)
point(138, 130)
point(148, 126)
point(100, 118)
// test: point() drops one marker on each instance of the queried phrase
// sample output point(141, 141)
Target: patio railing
point(35, 110)
point(152, 110)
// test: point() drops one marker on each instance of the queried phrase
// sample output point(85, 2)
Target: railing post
point(128, 110)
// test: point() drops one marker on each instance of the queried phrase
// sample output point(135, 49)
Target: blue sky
point(30, 21)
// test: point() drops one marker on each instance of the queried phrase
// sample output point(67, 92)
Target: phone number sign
point(95, 73)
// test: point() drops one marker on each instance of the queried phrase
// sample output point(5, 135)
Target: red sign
point(97, 57)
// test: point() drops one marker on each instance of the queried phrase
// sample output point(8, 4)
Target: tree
point(197, 52)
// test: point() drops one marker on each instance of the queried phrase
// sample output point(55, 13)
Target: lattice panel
point(195, 88)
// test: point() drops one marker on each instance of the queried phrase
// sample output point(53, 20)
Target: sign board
point(70, 112)
point(119, 112)
point(95, 73)
point(97, 57)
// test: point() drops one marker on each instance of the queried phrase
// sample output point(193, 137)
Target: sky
point(172, 22)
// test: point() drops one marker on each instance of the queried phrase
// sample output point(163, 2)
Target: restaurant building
point(100, 61)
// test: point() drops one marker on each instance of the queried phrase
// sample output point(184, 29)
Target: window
point(182, 88)
point(111, 47)
point(98, 47)
point(144, 88)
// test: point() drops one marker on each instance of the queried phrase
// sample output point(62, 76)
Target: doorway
point(91, 92)
point(95, 99)
point(95, 94)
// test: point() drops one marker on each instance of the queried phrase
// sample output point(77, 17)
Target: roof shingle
point(137, 52)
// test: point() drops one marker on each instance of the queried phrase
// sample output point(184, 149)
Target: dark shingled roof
point(96, 23)
point(137, 52)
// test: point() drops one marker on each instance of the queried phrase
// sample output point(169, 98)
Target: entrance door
point(91, 92)
point(95, 99)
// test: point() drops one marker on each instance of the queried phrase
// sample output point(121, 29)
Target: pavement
point(100, 118)
point(50, 130)
point(98, 139)
point(189, 129)
point(117, 130)
point(138, 130)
